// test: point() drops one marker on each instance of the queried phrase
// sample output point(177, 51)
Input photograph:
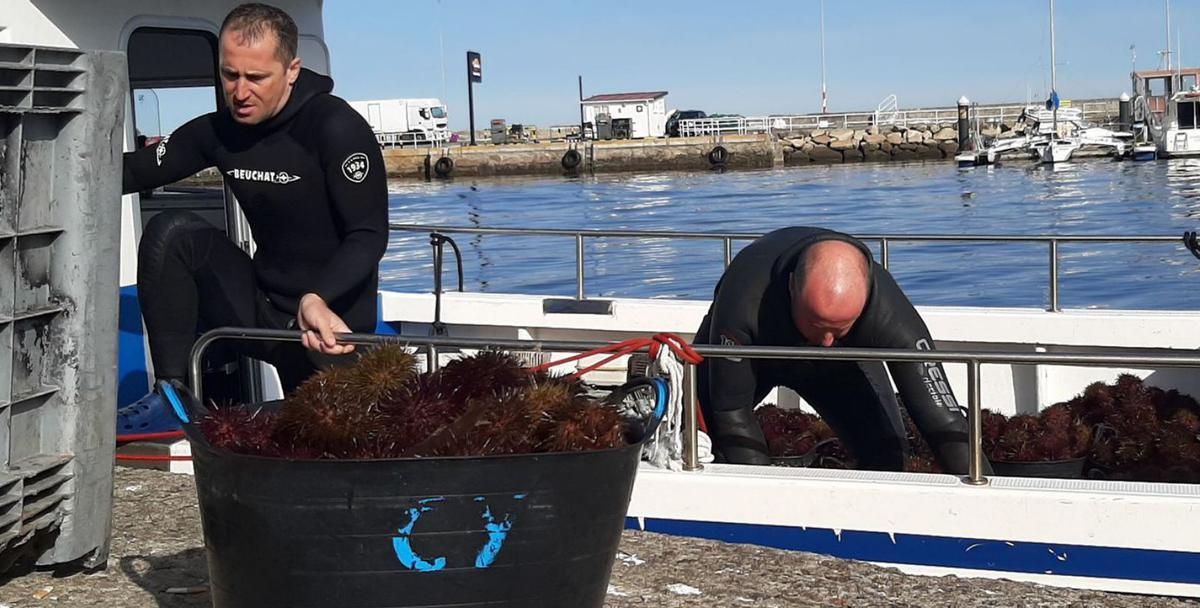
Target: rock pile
point(918, 142)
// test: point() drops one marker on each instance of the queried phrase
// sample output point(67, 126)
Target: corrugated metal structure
point(61, 124)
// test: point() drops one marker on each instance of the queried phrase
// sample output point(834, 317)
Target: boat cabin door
point(173, 78)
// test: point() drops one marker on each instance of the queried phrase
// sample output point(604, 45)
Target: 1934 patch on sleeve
point(355, 167)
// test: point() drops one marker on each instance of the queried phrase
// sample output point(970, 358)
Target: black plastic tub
point(526, 530)
point(1071, 468)
point(807, 459)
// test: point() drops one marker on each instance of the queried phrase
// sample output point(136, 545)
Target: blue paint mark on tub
point(403, 546)
point(497, 532)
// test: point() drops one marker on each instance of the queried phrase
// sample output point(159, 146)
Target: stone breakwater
point(884, 143)
point(918, 142)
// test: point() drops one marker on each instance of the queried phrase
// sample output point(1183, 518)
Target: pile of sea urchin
point(381, 407)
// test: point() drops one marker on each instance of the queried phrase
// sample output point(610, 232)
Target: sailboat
point(1059, 149)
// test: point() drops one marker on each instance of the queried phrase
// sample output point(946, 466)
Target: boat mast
point(1053, 73)
point(824, 94)
point(1168, 35)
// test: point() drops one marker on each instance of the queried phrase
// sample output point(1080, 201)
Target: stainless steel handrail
point(972, 359)
point(1052, 242)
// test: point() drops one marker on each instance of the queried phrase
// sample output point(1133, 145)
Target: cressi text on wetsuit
point(311, 182)
point(752, 306)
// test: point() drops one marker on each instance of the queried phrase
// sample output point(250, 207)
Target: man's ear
point(293, 71)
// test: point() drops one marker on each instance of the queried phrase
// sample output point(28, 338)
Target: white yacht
point(1170, 109)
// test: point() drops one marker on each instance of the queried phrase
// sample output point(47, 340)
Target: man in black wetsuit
point(814, 287)
point(309, 175)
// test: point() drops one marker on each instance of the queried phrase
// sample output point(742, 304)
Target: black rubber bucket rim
point(805, 460)
point(1071, 468)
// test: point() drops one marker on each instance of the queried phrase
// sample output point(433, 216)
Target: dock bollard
point(1125, 112)
point(964, 123)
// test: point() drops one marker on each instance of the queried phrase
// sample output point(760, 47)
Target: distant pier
point(557, 158)
point(904, 135)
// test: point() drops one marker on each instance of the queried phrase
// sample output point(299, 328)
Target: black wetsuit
point(752, 306)
point(311, 182)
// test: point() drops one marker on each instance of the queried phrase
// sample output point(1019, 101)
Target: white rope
point(665, 450)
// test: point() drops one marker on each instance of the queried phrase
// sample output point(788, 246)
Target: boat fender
point(718, 155)
point(444, 166)
point(571, 159)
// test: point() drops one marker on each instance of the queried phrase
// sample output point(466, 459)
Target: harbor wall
point(805, 147)
point(930, 142)
point(658, 154)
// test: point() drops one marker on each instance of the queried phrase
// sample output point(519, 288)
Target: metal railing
point(1094, 111)
point(972, 359)
point(1052, 243)
point(411, 139)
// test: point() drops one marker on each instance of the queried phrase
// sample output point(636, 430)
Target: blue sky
point(749, 58)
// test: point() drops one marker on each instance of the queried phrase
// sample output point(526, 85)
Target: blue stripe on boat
point(948, 552)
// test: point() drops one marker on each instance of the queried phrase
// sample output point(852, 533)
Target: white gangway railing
point(412, 139)
point(1092, 111)
point(888, 112)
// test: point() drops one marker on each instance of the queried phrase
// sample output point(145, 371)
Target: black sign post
point(474, 74)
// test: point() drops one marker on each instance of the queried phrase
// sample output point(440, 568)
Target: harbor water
point(1090, 197)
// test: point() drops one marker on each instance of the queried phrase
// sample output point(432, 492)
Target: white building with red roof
point(632, 115)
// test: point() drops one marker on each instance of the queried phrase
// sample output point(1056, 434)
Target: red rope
point(678, 345)
point(149, 436)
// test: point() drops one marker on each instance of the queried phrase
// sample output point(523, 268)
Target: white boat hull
point(1058, 532)
point(1104, 535)
point(1057, 151)
point(1179, 143)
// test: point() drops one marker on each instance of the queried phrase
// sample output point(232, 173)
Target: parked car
point(672, 129)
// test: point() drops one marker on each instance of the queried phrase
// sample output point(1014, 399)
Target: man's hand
point(319, 324)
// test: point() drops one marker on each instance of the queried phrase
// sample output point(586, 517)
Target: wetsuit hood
point(308, 85)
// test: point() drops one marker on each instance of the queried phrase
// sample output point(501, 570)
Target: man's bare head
point(258, 62)
point(253, 21)
point(829, 291)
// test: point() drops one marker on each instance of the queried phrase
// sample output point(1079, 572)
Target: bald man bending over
point(813, 287)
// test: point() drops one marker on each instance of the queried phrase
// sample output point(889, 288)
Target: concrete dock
point(925, 142)
point(655, 154)
point(157, 561)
